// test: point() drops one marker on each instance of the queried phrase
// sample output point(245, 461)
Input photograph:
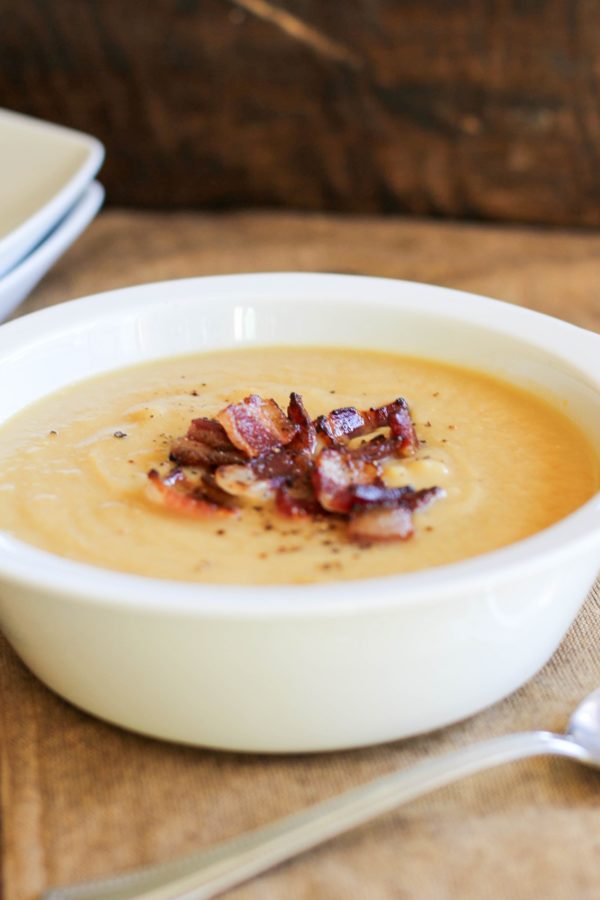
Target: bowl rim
point(79, 582)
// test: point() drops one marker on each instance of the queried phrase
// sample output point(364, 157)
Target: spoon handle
point(209, 872)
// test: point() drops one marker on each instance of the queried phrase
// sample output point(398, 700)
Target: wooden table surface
point(81, 798)
point(554, 271)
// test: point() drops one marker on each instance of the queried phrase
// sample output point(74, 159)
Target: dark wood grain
point(476, 108)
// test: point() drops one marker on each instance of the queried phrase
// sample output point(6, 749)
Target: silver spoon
point(209, 872)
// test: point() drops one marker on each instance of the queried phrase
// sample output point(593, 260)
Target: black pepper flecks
point(119, 434)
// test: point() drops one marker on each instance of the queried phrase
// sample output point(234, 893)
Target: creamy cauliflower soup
point(149, 470)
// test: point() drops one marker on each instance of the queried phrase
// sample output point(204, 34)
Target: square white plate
point(44, 169)
point(17, 283)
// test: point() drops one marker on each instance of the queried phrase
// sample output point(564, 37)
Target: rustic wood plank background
point(472, 108)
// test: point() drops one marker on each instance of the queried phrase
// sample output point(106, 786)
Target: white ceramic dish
point(44, 168)
point(298, 668)
point(21, 280)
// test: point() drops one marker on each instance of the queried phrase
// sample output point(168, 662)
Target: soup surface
point(73, 467)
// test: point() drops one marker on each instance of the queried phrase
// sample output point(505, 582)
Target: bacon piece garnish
point(262, 476)
point(341, 425)
point(284, 464)
point(370, 495)
point(209, 432)
point(188, 452)
point(206, 445)
point(380, 513)
point(256, 425)
point(241, 481)
point(175, 493)
point(216, 494)
point(306, 436)
point(335, 474)
point(252, 450)
point(379, 447)
point(381, 524)
point(296, 503)
point(397, 416)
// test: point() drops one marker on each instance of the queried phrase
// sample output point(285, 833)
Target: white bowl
point(298, 668)
point(44, 168)
point(21, 280)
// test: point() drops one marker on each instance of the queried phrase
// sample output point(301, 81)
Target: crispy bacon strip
point(306, 437)
point(335, 474)
point(380, 513)
point(378, 448)
point(381, 524)
point(241, 481)
point(426, 496)
point(253, 450)
point(296, 503)
point(256, 425)
point(366, 496)
point(216, 494)
point(401, 425)
point(284, 464)
point(209, 432)
point(176, 494)
point(188, 452)
point(263, 475)
point(343, 424)
point(340, 423)
point(206, 445)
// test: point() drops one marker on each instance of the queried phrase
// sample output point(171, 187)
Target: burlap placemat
point(81, 799)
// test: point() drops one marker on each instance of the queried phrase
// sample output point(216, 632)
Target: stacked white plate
point(47, 198)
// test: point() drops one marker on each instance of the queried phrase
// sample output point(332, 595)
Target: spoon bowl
point(584, 728)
